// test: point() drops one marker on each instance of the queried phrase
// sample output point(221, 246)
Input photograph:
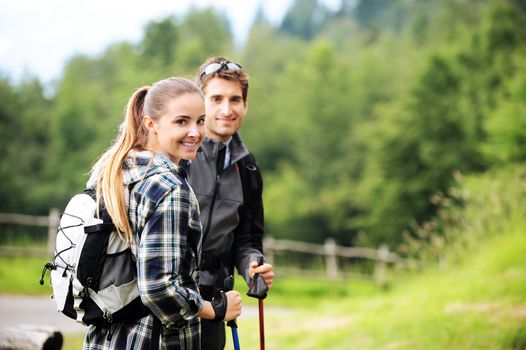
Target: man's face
point(225, 108)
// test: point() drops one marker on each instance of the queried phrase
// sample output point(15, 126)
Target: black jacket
point(231, 208)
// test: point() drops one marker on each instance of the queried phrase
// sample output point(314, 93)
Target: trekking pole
point(229, 285)
point(258, 289)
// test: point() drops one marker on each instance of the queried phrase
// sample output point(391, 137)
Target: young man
point(228, 185)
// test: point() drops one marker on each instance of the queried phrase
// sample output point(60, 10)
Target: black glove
point(219, 303)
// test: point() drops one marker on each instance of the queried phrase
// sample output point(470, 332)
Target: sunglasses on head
point(217, 66)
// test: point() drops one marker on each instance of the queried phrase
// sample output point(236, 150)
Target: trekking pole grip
point(228, 286)
point(258, 287)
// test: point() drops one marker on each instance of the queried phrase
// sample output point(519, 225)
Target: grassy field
point(474, 299)
point(480, 303)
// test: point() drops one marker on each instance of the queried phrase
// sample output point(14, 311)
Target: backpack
point(93, 273)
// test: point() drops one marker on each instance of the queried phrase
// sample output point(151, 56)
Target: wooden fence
point(330, 251)
point(50, 221)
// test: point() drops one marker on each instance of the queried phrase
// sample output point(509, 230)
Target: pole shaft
point(261, 326)
point(235, 338)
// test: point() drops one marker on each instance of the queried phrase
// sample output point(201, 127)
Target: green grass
point(21, 275)
point(73, 341)
point(478, 303)
point(476, 299)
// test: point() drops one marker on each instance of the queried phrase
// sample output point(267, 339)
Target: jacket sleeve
point(163, 261)
point(249, 234)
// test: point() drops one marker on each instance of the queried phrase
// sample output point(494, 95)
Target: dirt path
point(41, 310)
point(35, 310)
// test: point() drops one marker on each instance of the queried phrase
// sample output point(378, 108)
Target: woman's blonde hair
point(149, 101)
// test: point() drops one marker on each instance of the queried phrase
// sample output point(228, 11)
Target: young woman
point(156, 212)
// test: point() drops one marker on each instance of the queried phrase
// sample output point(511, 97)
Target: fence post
point(268, 246)
point(383, 256)
point(329, 248)
point(54, 217)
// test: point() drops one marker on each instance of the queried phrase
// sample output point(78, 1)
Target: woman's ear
point(149, 124)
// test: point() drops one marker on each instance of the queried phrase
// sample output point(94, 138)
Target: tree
point(24, 120)
point(304, 19)
point(89, 105)
point(160, 43)
point(266, 57)
point(205, 33)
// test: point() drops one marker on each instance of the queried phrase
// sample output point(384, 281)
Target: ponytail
point(110, 183)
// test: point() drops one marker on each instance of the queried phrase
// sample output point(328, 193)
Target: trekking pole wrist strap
point(219, 304)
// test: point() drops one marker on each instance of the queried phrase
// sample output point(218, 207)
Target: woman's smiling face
point(178, 132)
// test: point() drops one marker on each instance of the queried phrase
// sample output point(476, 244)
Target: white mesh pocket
point(115, 298)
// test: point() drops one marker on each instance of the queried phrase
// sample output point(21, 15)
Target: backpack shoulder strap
point(252, 184)
point(250, 177)
point(102, 212)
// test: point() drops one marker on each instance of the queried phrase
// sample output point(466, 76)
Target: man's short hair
point(223, 72)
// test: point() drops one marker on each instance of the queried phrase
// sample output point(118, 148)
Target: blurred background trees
point(358, 116)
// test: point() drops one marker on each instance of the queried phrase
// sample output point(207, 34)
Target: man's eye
point(201, 121)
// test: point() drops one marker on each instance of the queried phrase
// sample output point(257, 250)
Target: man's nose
point(226, 108)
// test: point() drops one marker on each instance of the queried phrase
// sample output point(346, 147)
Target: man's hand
point(264, 271)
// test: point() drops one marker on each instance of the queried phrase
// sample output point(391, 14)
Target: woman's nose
point(194, 130)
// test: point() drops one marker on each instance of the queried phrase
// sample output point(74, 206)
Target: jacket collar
point(238, 150)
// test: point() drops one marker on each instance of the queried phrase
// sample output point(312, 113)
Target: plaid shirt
point(164, 214)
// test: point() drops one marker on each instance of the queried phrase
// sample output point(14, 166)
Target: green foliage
point(85, 121)
point(201, 41)
point(390, 122)
point(24, 120)
point(177, 46)
point(267, 126)
point(431, 142)
point(359, 117)
point(304, 19)
point(444, 124)
point(506, 124)
point(160, 42)
point(506, 80)
point(475, 304)
point(474, 209)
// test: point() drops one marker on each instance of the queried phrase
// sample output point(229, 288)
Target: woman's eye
point(201, 121)
point(180, 121)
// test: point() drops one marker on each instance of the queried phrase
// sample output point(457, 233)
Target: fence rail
point(330, 251)
point(51, 221)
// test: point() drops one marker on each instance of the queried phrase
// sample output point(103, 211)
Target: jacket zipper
point(212, 203)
